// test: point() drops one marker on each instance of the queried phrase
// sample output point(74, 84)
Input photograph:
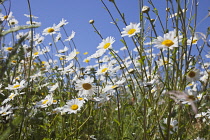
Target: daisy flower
point(12, 22)
point(106, 43)
point(47, 101)
point(38, 38)
point(6, 17)
point(32, 16)
point(169, 40)
point(10, 97)
point(53, 87)
point(72, 106)
point(51, 30)
point(98, 53)
point(8, 49)
point(131, 30)
point(71, 36)
point(72, 55)
point(63, 50)
point(85, 87)
point(33, 23)
point(62, 23)
point(5, 110)
point(193, 75)
point(193, 40)
point(17, 85)
point(104, 69)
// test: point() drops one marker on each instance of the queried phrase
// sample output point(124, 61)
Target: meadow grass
point(156, 87)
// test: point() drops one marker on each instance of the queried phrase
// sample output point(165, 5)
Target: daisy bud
point(145, 9)
point(167, 9)
point(152, 20)
point(131, 71)
point(91, 21)
point(111, 0)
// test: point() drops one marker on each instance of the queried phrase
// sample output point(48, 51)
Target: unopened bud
point(145, 9)
point(167, 9)
point(152, 20)
point(91, 21)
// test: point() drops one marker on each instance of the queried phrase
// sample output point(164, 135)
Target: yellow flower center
point(114, 86)
point(16, 86)
point(80, 99)
point(50, 30)
point(194, 41)
point(191, 74)
point(9, 48)
point(36, 53)
point(168, 43)
point(12, 23)
point(45, 101)
point(106, 45)
point(85, 53)
point(87, 86)
point(131, 31)
point(5, 17)
point(54, 101)
point(74, 107)
point(11, 96)
point(104, 69)
point(87, 60)
point(14, 61)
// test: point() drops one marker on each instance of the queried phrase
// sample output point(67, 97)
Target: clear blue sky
point(79, 12)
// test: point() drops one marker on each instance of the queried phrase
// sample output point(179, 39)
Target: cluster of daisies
point(99, 83)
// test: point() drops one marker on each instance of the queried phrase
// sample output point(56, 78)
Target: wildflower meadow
point(149, 82)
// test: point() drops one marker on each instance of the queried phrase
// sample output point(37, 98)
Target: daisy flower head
point(85, 87)
point(8, 49)
point(17, 85)
point(71, 36)
point(193, 75)
point(13, 21)
point(51, 30)
point(104, 69)
point(72, 106)
point(131, 30)
point(47, 101)
point(6, 17)
point(169, 40)
point(193, 40)
point(5, 110)
point(10, 97)
point(62, 23)
point(106, 43)
point(32, 16)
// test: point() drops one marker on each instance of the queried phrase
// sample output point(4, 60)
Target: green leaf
point(117, 122)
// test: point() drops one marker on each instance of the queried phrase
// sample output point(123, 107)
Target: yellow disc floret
point(131, 31)
point(87, 86)
point(45, 101)
point(167, 43)
point(16, 86)
point(191, 74)
point(74, 107)
point(107, 45)
point(50, 30)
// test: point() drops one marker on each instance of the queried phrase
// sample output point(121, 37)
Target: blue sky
point(79, 12)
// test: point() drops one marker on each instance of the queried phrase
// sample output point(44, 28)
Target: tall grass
point(155, 87)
